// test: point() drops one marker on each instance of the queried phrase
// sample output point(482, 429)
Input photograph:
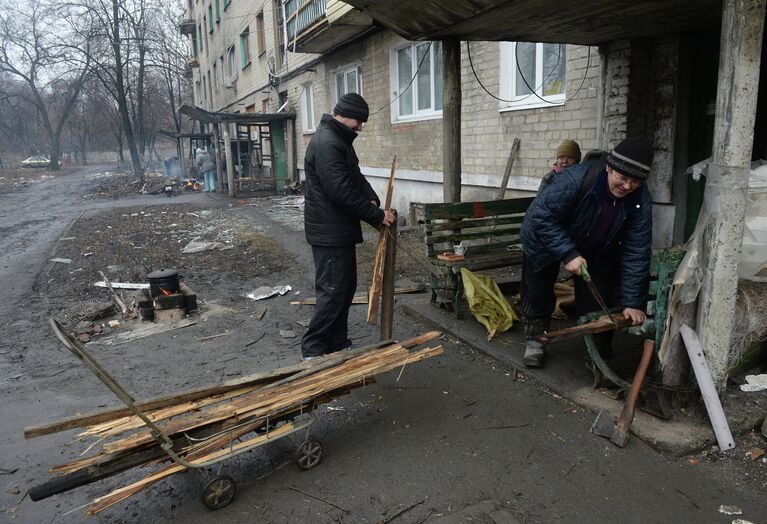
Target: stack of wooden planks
point(209, 423)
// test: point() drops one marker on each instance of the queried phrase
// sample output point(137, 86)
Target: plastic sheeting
point(487, 303)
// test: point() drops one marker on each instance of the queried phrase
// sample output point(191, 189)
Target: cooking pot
point(167, 279)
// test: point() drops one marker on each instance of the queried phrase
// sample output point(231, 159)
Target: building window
point(216, 77)
point(210, 90)
point(532, 74)
point(416, 81)
point(261, 41)
point(196, 45)
point(348, 81)
point(307, 108)
point(279, 37)
point(221, 69)
point(245, 48)
point(210, 18)
point(218, 11)
point(204, 36)
point(232, 63)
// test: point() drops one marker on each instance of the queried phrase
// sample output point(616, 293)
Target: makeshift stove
point(167, 299)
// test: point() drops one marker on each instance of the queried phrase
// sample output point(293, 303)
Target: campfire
point(168, 298)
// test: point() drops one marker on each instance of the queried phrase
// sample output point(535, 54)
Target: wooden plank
point(459, 237)
point(468, 223)
point(479, 209)
point(378, 264)
point(507, 171)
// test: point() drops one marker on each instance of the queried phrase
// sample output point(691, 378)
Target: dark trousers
point(539, 300)
point(335, 282)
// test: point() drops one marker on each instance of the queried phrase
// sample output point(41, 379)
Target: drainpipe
point(724, 207)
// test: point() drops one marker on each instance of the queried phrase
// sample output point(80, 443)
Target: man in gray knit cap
point(337, 197)
point(597, 214)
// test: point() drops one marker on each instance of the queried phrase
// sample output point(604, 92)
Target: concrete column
point(451, 119)
point(724, 208)
point(229, 163)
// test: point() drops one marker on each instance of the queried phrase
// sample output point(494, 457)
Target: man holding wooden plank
point(596, 215)
point(337, 197)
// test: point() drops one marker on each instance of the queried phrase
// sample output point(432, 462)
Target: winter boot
point(534, 354)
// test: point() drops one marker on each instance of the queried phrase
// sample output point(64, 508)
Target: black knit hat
point(632, 158)
point(352, 105)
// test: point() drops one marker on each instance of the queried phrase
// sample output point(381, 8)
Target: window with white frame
point(349, 80)
point(416, 71)
point(532, 74)
point(231, 63)
point(307, 108)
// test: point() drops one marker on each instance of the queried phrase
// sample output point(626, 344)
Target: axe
point(617, 430)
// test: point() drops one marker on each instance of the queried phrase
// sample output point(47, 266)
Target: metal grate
point(85, 310)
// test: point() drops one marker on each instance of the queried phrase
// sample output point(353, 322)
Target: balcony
point(186, 26)
point(192, 61)
point(315, 26)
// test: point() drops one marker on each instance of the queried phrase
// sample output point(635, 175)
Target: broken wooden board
point(374, 295)
point(316, 382)
point(143, 330)
point(89, 419)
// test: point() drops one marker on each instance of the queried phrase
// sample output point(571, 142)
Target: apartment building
point(267, 56)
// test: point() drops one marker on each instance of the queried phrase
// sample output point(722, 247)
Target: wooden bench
point(490, 232)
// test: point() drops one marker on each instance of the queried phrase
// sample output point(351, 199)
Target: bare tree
point(130, 48)
point(39, 51)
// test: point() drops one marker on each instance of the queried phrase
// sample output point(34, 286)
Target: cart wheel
point(218, 492)
point(309, 454)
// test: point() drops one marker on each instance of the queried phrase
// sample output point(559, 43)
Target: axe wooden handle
point(627, 415)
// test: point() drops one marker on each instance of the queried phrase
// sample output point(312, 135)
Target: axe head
point(620, 437)
point(604, 424)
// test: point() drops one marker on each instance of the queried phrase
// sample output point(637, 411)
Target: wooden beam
point(599, 325)
point(451, 119)
point(507, 171)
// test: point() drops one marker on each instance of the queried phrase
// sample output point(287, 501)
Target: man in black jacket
point(597, 214)
point(337, 197)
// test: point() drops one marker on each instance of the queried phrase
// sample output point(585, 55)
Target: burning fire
point(165, 292)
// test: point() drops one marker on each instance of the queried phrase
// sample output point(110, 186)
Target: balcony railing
point(301, 15)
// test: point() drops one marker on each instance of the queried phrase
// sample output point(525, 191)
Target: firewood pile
point(210, 423)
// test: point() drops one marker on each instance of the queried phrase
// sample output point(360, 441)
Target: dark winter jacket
point(561, 218)
point(337, 196)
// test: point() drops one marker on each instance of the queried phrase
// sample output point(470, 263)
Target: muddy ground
point(15, 179)
point(458, 438)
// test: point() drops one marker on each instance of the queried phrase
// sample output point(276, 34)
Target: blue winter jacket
point(559, 220)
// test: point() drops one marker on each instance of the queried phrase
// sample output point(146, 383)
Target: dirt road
point(457, 439)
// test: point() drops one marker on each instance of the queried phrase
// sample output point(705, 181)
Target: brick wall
point(487, 131)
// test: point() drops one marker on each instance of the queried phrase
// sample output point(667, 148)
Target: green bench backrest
point(485, 226)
